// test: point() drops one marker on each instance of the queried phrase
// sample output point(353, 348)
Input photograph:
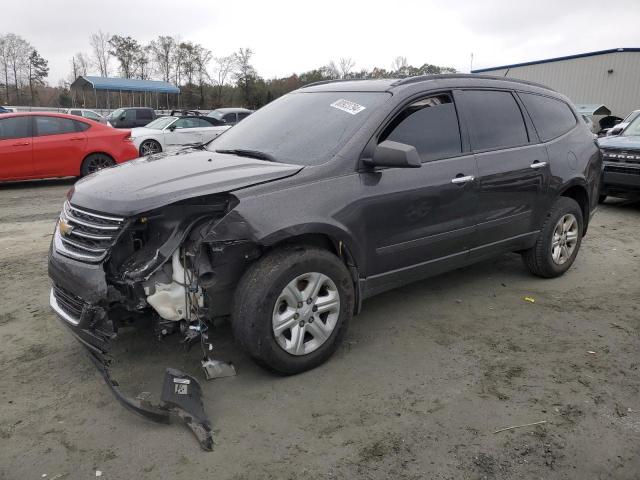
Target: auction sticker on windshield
point(347, 106)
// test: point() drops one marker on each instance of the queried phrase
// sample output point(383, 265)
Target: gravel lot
point(427, 373)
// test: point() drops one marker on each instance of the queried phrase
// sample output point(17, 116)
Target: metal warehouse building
point(609, 77)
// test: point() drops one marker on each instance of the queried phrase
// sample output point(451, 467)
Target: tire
point(540, 258)
point(263, 286)
point(149, 147)
point(95, 162)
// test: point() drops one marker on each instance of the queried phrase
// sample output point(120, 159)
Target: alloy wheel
point(306, 313)
point(149, 148)
point(98, 162)
point(565, 239)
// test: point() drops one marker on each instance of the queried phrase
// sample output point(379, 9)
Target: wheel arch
point(96, 152)
point(578, 192)
point(326, 237)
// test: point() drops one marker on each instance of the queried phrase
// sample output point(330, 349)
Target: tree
point(224, 67)
point(126, 50)
point(202, 60)
point(142, 64)
point(82, 64)
point(162, 52)
point(38, 70)
point(345, 65)
point(245, 74)
point(14, 58)
point(100, 49)
point(399, 65)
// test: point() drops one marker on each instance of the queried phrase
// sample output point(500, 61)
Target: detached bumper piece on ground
point(181, 394)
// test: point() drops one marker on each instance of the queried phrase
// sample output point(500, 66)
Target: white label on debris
point(181, 388)
point(347, 106)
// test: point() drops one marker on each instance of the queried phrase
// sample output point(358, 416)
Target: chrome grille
point(84, 235)
point(622, 169)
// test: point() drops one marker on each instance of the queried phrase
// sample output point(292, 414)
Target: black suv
point(323, 198)
point(131, 117)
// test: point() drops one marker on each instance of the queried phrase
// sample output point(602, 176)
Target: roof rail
point(423, 78)
point(335, 80)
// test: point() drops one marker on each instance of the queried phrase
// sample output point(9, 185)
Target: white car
point(170, 132)
point(86, 113)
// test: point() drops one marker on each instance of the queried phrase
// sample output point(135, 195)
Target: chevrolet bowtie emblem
point(65, 228)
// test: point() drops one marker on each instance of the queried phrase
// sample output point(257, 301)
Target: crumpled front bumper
point(90, 324)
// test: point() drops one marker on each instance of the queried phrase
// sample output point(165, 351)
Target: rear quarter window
point(551, 117)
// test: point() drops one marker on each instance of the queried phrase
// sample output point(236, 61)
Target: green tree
point(126, 50)
point(38, 70)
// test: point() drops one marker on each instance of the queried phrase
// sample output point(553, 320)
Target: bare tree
point(332, 70)
point(4, 64)
point(100, 49)
point(16, 55)
point(82, 64)
point(224, 67)
point(162, 51)
point(143, 64)
point(399, 64)
point(202, 60)
point(346, 65)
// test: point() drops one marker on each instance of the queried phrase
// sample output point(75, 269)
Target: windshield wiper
point(249, 153)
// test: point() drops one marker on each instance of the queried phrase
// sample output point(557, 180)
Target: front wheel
point(558, 242)
point(292, 307)
point(95, 162)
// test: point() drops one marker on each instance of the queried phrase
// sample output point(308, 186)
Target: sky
point(291, 37)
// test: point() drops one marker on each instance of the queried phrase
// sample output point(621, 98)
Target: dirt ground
point(426, 376)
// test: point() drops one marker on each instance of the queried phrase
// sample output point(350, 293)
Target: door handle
point(76, 139)
point(538, 164)
point(21, 144)
point(463, 179)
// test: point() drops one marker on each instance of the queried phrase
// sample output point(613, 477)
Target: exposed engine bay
point(171, 266)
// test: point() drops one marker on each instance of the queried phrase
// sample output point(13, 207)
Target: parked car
point(321, 199)
point(617, 129)
point(167, 132)
point(86, 113)
point(621, 176)
point(43, 145)
point(9, 109)
point(230, 116)
point(131, 117)
point(4, 110)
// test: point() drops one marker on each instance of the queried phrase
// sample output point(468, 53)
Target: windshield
point(631, 117)
point(160, 123)
point(302, 128)
point(215, 114)
point(116, 113)
point(633, 129)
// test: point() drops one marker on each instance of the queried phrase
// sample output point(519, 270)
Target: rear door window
point(54, 126)
point(15, 127)
point(495, 120)
point(551, 117)
point(430, 125)
point(230, 118)
point(144, 114)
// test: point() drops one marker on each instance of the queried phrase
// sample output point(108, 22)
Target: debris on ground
point(530, 299)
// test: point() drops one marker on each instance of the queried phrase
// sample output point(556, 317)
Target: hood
point(144, 131)
point(620, 142)
point(151, 182)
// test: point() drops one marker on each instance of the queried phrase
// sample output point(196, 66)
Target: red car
point(43, 145)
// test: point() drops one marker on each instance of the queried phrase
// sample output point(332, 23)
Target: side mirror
point(123, 117)
point(394, 154)
point(171, 128)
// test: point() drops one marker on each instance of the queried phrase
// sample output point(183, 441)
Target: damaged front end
point(171, 266)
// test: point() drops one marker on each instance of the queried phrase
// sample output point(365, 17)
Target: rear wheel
point(95, 162)
point(149, 147)
point(558, 242)
point(292, 307)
